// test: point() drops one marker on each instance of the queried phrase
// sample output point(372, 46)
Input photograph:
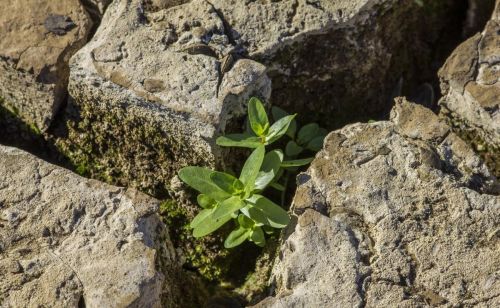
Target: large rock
point(150, 95)
point(470, 81)
point(37, 38)
point(392, 214)
point(66, 241)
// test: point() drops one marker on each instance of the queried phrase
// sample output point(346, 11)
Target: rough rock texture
point(470, 82)
point(66, 241)
point(149, 100)
point(37, 38)
point(398, 213)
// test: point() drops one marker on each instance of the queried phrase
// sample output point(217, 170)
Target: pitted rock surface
point(66, 241)
point(412, 221)
point(470, 81)
point(37, 38)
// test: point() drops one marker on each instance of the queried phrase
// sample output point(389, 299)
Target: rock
point(149, 94)
point(37, 38)
point(397, 213)
point(66, 241)
point(470, 82)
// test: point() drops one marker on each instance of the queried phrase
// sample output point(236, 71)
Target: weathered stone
point(66, 241)
point(470, 81)
point(37, 38)
point(149, 94)
point(392, 214)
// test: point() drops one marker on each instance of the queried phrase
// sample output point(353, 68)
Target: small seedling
point(224, 197)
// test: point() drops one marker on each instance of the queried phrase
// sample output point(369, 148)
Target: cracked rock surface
point(66, 241)
point(37, 38)
point(470, 81)
point(397, 213)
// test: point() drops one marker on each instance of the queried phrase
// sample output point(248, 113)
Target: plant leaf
point(207, 224)
point(316, 143)
point(258, 117)
point(251, 168)
point(245, 222)
point(258, 237)
point(279, 128)
point(239, 140)
point(199, 179)
point(228, 207)
point(269, 169)
point(205, 201)
point(266, 212)
point(279, 113)
point(293, 149)
point(227, 182)
point(277, 186)
point(202, 215)
point(307, 132)
point(297, 162)
point(237, 237)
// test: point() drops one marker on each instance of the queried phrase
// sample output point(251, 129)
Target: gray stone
point(150, 96)
point(37, 38)
point(412, 221)
point(66, 241)
point(470, 82)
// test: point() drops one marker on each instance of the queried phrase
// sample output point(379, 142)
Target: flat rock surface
point(37, 38)
point(398, 213)
point(66, 241)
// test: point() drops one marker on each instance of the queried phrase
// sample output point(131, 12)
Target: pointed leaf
point(293, 149)
point(205, 201)
point(269, 169)
point(239, 140)
point(202, 215)
point(307, 132)
point(316, 144)
point(258, 237)
point(266, 212)
point(245, 222)
point(297, 162)
point(199, 179)
point(227, 182)
point(208, 224)
point(251, 168)
point(257, 116)
point(279, 128)
point(228, 207)
point(279, 113)
point(237, 237)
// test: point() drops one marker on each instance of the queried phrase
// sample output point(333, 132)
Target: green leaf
point(251, 168)
point(205, 201)
point(199, 179)
point(269, 169)
point(227, 182)
point(279, 113)
point(277, 186)
point(237, 237)
point(268, 230)
point(202, 216)
point(293, 149)
point(245, 222)
point(266, 212)
point(258, 237)
point(228, 207)
point(307, 132)
point(207, 224)
point(316, 143)
point(239, 140)
point(279, 128)
point(297, 162)
point(258, 117)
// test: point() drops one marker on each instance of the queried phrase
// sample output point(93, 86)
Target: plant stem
point(283, 192)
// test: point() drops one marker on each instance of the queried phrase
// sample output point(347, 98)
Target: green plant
point(224, 197)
